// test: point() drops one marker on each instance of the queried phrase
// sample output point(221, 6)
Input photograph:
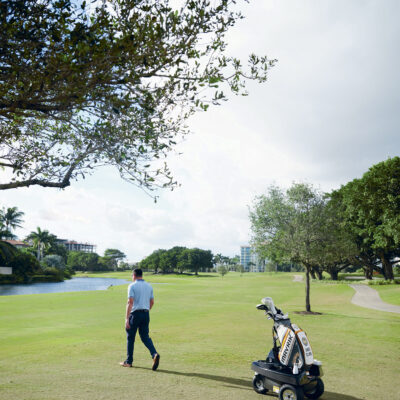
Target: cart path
point(367, 297)
point(298, 278)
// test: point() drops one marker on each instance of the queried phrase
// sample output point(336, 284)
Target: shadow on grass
point(244, 384)
point(238, 383)
point(373, 317)
point(177, 275)
point(338, 396)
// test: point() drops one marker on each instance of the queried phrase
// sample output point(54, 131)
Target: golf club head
point(267, 301)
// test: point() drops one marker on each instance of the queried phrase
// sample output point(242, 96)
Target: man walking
point(140, 302)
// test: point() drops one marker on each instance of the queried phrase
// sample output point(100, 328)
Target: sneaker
point(156, 361)
point(125, 364)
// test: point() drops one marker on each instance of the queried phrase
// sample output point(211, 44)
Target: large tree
point(115, 256)
point(337, 249)
point(86, 84)
point(153, 261)
point(200, 259)
point(81, 261)
point(370, 207)
point(285, 226)
point(178, 259)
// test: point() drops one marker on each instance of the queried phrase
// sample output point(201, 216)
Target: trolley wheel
point(316, 393)
point(289, 392)
point(258, 384)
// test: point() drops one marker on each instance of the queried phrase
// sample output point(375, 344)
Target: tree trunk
point(311, 271)
point(387, 267)
point(334, 273)
point(319, 273)
point(368, 272)
point(308, 306)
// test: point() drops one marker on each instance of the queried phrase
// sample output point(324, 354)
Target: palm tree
point(4, 233)
point(41, 240)
point(13, 218)
point(9, 220)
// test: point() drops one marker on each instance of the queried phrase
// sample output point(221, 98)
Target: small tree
point(240, 268)
point(285, 227)
point(271, 266)
point(222, 270)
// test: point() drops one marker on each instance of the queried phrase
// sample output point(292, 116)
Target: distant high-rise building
point(250, 260)
point(245, 257)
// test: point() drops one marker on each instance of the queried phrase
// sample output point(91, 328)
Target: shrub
point(54, 261)
point(42, 278)
point(23, 266)
point(55, 274)
point(7, 252)
point(331, 281)
point(360, 271)
point(384, 282)
point(10, 279)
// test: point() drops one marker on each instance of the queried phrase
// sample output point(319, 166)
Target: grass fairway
point(389, 293)
point(207, 330)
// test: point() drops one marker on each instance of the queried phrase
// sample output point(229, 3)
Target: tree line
point(178, 259)
point(46, 258)
point(354, 226)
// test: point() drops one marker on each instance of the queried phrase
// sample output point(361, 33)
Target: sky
point(329, 111)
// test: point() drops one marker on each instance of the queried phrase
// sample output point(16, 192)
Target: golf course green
point(207, 330)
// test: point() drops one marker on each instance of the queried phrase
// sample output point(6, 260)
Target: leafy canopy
point(370, 209)
point(178, 259)
point(109, 83)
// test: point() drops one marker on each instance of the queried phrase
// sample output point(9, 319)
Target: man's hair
point(138, 272)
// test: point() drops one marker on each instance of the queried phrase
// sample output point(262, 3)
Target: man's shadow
point(244, 384)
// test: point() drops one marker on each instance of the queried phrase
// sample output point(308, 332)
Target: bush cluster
point(380, 282)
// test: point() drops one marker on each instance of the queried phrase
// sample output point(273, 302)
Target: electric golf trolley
point(290, 369)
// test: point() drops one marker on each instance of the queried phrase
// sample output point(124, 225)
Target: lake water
point(70, 285)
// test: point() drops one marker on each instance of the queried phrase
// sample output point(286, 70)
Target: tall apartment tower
point(245, 257)
point(250, 260)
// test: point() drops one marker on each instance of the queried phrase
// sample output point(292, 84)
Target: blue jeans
point(139, 320)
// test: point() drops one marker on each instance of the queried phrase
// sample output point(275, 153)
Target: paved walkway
point(367, 297)
point(298, 278)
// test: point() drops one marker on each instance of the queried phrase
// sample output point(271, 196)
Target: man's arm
point(151, 303)
point(129, 306)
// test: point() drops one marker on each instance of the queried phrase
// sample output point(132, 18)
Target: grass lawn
point(207, 330)
point(389, 293)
